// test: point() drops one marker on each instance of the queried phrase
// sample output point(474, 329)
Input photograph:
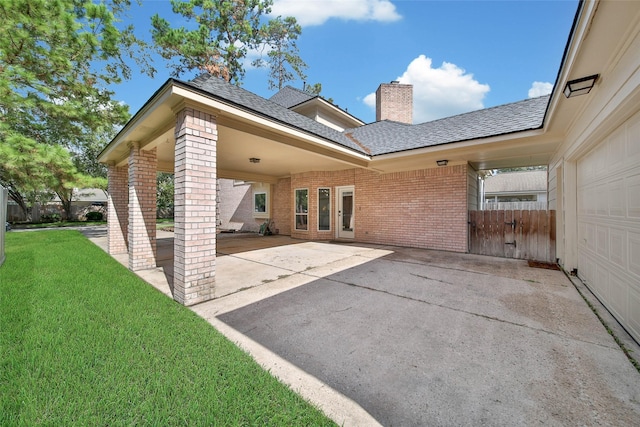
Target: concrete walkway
point(397, 336)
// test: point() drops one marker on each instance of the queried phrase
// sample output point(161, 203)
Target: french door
point(345, 213)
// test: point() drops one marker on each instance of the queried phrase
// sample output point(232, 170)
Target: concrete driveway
point(407, 337)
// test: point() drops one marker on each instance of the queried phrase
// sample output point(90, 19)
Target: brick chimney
point(394, 101)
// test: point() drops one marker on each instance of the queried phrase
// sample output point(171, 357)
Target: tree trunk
point(22, 203)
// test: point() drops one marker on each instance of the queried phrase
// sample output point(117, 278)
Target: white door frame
point(345, 232)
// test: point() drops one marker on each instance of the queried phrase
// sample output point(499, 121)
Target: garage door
point(609, 223)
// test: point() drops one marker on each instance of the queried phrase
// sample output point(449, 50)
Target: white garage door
point(609, 223)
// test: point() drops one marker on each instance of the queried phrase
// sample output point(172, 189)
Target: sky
point(460, 56)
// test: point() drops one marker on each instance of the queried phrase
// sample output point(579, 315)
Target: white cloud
point(317, 12)
point(370, 100)
point(439, 92)
point(540, 88)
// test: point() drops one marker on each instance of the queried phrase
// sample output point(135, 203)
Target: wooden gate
point(519, 234)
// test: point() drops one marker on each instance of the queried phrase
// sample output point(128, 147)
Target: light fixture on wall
point(442, 162)
point(254, 160)
point(580, 86)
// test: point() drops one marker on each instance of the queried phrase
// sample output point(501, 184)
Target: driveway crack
point(483, 316)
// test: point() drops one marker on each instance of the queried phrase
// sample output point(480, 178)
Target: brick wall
point(142, 208)
point(423, 208)
point(117, 210)
point(281, 206)
point(394, 101)
point(195, 207)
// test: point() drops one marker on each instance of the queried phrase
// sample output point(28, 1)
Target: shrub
point(54, 217)
point(94, 216)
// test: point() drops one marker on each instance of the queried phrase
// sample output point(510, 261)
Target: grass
point(83, 341)
point(162, 224)
point(58, 224)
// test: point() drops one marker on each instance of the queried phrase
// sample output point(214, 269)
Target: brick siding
point(117, 210)
point(423, 208)
point(394, 101)
point(281, 208)
point(195, 207)
point(142, 208)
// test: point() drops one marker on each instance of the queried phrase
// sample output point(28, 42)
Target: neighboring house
point(516, 190)
point(392, 182)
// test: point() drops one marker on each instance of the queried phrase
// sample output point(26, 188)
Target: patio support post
point(194, 206)
point(142, 208)
point(117, 209)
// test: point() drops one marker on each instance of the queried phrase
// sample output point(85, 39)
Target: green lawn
point(83, 341)
point(58, 224)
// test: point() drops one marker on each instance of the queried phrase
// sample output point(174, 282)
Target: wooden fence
point(520, 234)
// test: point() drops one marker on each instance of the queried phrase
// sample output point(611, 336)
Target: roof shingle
point(290, 97)
point(243, 98)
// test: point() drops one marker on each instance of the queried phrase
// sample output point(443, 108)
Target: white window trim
point(295, 210)
point(267, 207)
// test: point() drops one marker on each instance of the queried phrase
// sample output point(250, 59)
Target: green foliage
point(57, 58)
point(164, 191)
point(522, 169)
point(313, 89)
point(284, 62)
point(87, 342)
point(94, 216)
point(218, 38)
point(54, 217)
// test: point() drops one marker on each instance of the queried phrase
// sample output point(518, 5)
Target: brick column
point(195, 207)
point(142, 208)
point(117, 210)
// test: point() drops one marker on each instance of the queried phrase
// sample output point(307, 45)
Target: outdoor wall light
point(580, 86)
point(254, 160)
point(442, 162)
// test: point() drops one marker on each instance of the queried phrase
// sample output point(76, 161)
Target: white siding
point(473, 191)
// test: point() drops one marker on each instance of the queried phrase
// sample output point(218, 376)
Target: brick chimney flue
point(394, 101)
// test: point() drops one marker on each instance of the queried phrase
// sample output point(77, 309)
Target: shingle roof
point(386, 136)
point(290, 97)
point(389, 137)
point(243, 98)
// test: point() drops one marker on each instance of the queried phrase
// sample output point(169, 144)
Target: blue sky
point(459, 55)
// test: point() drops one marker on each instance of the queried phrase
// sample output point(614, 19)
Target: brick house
point(325, 175)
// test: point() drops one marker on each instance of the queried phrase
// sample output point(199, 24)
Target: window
point(260, 202)
point(302, 209)
point(324, 209)
point(261, 192)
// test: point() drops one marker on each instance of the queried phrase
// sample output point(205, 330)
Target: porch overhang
point(242, 134)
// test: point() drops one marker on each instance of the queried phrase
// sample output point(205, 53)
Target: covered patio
point(185, 131)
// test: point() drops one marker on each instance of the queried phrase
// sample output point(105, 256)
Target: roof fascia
point(159, 96)
point(579, 30)
point(529, 133)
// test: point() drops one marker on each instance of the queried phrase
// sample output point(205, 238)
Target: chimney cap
point(395, 82)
